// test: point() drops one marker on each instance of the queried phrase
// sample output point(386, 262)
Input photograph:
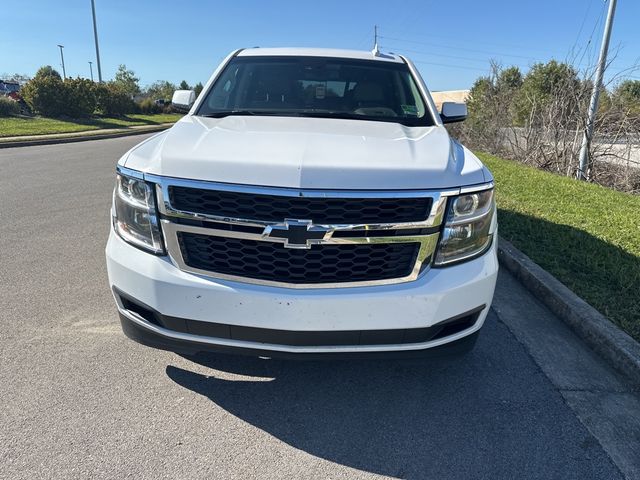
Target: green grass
point(587, 236)
point(18, 126)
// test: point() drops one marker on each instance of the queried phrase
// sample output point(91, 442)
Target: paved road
point(78, 400)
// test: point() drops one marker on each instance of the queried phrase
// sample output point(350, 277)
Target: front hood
point(299, 152)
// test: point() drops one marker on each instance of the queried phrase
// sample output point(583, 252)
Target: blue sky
point(451, 41)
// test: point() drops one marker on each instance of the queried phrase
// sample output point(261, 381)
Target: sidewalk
point(28, 140)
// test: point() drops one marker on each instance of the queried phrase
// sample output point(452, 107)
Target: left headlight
point(135, 217)
point(467, 231)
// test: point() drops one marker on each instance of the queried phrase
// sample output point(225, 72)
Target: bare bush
point(539, 119)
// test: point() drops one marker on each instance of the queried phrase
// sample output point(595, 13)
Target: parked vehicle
point(9, 88)
point(12, 90)
point(310, 202)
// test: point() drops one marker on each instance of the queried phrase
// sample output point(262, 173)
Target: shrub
point(80, 97)
point(46, 95)
point(149, 106)
point(8, 106)
point(112, 100)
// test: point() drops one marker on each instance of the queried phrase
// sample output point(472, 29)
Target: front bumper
point(267, 320)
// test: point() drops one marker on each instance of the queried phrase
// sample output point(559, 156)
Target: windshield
point(317, 87)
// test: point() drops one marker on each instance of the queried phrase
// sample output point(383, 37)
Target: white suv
point(310, 202)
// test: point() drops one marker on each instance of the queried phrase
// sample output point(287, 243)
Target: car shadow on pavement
point(491, 413)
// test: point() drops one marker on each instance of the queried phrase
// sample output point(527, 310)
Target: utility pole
point(91, 69)
point(64, 73)
point(585, 164)
point(95, 36)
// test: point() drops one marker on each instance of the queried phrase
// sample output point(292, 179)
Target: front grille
point(270, 261)
point(322, 210)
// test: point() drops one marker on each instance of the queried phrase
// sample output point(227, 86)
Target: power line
point(457, 48)
point(584, 20)
point(600, 18)
point(422, 52)
point(449, 65)
point(473, 43)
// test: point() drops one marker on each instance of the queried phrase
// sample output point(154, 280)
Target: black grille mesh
point(321, 264)
point(271, 208)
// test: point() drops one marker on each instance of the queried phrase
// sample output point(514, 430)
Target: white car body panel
point(308, 153)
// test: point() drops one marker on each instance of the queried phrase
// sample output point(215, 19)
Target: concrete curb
point(84, 136)
point(615, 346)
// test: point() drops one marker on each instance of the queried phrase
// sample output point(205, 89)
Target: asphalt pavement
point(79, 400)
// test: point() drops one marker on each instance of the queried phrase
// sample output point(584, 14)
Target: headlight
point(134, 214)
point(466, 232)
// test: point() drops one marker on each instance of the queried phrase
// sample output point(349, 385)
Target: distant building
point(459, 96)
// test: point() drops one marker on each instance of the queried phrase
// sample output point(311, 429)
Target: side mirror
point(183, 99)
point(452, 112)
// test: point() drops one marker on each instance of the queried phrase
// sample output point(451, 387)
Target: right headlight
point(466, 233)
point(134, 214)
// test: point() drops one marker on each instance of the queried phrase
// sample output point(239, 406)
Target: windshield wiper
point(334, 114)
point(228, 113)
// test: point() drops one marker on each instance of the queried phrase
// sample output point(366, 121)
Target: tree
point(490, 107)
point(627, 95)
point(629, 88)
point(509, 79)
point(160, 90)
point(198, 88)
point(184, 85)
point(127, 81)
point(47, 71)
point(545, 85)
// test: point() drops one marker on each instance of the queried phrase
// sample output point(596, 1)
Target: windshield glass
point(317, 87)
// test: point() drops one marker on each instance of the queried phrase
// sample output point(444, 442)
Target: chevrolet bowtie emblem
point(297, 233)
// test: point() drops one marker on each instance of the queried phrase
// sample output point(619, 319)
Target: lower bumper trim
point(149, 338)
point(290, 338)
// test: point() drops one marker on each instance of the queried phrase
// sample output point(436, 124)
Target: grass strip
point(585, 235)
point(25, 126)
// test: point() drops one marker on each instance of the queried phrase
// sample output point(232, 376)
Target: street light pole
point(64, 73)
point(585, 164)
point(95, 36)
point(91, 69)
